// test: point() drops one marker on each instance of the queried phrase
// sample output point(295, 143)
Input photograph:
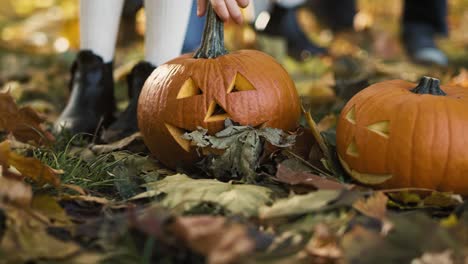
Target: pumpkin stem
point(429, 85)
point(212, 45)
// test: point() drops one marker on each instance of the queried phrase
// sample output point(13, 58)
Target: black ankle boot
point(127, 123)
point(283, 23)
point(91, 101)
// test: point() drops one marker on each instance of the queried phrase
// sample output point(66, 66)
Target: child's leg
point(99, 25)
point(166, 25)
point(91, 100)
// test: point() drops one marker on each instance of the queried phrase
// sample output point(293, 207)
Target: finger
point(234, 11)
point(220, 9)
point(243, 3)
point(201, 7)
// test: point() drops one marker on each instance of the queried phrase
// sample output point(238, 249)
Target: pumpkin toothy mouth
point(366, 178)
point(177, 133)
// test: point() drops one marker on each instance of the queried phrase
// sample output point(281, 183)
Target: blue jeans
point(194, 31)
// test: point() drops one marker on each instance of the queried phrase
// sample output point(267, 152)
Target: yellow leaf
point(31, 168)
point(24, 123)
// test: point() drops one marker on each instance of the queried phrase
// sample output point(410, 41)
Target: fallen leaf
point(24, 123)
point(75, 188)
point(221, 241)
point(444, 257)
point(422, 198)
point(243, 146)
point(31, 168)
point(374, 206)
point(300, 178)
point(442, 200)
point(298, 204)
point(26, 239)
point(122, 144)
point(316, 133)
point(15, 191)
point(412, 235)
point(304, 147)
point(49, 207)
point(183, 191)
point(86, 198)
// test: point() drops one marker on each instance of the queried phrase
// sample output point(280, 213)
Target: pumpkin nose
point(216, 112)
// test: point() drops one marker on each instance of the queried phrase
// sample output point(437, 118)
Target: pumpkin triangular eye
point(240, 84)
point(189, 89)
point(177, 134)
point(351, 115)
point(352, 149)
point(215, 112)
point(382, 128)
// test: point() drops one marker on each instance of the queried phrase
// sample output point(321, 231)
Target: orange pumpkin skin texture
point(247, 86)
point(389, 136)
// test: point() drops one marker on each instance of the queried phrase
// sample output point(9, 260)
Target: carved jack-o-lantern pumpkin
point(247, 86)
point(395, 135)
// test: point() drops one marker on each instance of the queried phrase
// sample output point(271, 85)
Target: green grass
point(92, 173)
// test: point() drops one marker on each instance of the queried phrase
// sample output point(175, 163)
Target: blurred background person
point(422, 21)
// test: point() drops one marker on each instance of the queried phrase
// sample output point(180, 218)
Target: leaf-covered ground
point(70, 199)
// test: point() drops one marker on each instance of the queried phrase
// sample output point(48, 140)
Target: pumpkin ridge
point(400, 108)
point(434, 124)
point(413, 145)
point(448, 156)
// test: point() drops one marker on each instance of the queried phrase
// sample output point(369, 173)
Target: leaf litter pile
point(260, 196)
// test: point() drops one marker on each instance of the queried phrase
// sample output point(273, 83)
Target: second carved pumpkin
point(398, 134)
point(204, 89)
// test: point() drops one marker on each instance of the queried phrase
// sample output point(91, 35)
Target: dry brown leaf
point(75, 188)
point(24, 123)
point(316, 133)
point(118, 145)
point(27, 167)
point(14, 191)
point(291, 177)
point(86, 198)
point(305, 147)
point(375, 206)
point(220, 241)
